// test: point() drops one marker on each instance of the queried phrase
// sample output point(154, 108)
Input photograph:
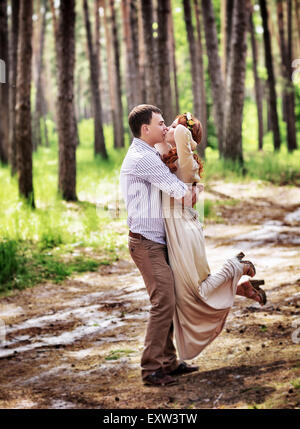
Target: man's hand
point(191, 197)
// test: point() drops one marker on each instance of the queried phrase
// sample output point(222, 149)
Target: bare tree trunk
point(66, 129)
point(130, 20)
point(15, 8)
point(97, 36)
point(271, 77)
point(134, 26)
point(193, 58)
point(228, 29)
point(23, 114)
point(113, 71)
point(141, 51)
point(172, 59)
point(297, 16)
point(163, 16)
point(203, 111)
point(236, 82)
point(223, 37)
point(110, 68)
point(269, 111)
point(55, 31)
point(37, 139)
point(99, 143)
point(130, 81)
point(150, 64)
point(214, 68)
point(119, 127)
point(291, 119)
point(283, 51)
point(258, 91)
point(4, 87)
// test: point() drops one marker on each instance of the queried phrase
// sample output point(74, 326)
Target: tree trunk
point(99, 143)
point(228, 29)
point(291, 120)
point(152, 97)
point(269, 111)
point(119, 129)
point(271, 77)
point(66, 129)
point(119, 138)
point(4, 87)
point(258, 90)
point(141, 53)
point(223, 37)
point(297, 16)
point(203, 112)
point(23, 115)
point(286, 60)
point(37, 139)
point(110, 68)
point(114, 75)
point(236, 82)
point(134, 27)
point(214, 68)
point(130, 20)
point(196, 87)
point(163, 16)
point(55, 31)
point(172, 59)
point(15, 8)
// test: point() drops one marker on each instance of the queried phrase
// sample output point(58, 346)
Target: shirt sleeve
point(158, 174)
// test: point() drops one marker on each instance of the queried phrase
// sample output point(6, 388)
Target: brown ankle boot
point(250, 289)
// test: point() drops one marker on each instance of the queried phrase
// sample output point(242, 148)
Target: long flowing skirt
point(203, 300)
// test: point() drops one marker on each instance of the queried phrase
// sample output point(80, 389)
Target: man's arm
point(158, 174)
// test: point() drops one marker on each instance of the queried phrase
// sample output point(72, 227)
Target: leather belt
point(136, 235)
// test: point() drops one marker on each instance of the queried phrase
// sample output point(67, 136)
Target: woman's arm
point(184, 141)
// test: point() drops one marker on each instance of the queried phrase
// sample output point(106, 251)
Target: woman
point(203, 300)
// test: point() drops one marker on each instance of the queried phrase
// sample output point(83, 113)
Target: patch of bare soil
point(78, 344)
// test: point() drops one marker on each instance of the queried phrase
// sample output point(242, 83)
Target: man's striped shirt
point(143, 175)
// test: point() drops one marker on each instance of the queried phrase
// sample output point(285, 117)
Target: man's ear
point(144, 129)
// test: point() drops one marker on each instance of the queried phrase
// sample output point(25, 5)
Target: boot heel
point(256, 283)
point(261, 292)
point(240, 256)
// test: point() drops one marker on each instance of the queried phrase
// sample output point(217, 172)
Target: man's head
point(147, 123)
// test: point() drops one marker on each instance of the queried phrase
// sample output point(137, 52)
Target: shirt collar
point(141, 143)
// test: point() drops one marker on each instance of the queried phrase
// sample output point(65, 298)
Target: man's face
point(157, 129)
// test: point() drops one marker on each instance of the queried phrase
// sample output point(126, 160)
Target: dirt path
point(78, 344)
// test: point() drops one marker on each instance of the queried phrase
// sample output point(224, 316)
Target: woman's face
point(170, 133)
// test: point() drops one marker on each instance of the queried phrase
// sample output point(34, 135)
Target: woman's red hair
point(196, 129)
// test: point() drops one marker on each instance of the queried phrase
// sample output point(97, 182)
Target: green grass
point(59, 238)
point(9, 260)
point(117, 354)
point(280, 168)
point(296, 383)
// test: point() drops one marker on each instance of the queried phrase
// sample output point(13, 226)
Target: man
point(143, 175)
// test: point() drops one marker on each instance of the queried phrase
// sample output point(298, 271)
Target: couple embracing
point(159, 180)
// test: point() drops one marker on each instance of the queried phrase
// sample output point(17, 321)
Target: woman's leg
point(232, 267)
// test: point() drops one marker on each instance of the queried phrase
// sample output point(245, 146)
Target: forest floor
point(78, 344)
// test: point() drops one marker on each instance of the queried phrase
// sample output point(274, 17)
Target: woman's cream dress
point(203, 301)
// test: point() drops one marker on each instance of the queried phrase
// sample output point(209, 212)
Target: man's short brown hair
point(139, 115)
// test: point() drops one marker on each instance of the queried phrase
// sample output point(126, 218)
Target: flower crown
point(189, 120)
